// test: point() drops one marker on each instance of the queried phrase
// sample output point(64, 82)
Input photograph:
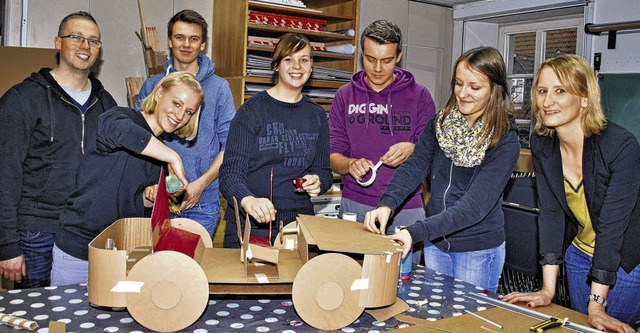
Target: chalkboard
point(621, 100)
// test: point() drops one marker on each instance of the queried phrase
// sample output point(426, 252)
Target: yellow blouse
point(585, 241)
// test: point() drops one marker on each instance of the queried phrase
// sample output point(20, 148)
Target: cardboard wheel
point(322, 293)
point(174, 295)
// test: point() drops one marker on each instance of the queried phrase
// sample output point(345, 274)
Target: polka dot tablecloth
point(430, 296)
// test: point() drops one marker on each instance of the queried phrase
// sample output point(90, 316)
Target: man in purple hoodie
point(378, 116)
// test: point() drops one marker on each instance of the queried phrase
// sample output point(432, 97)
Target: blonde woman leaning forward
point(112, 180)
point(588, 184)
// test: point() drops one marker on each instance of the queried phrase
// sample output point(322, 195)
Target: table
point(444, 296)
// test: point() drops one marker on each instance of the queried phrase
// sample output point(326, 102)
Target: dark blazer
point(611, 180)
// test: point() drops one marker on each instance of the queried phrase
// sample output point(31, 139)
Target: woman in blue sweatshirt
point(278, 135)
point(588, 187)
point(111, 181)
point(469, 149)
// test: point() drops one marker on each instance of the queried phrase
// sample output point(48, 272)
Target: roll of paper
point(342, 48)
point(346, 32)
point(18, 322)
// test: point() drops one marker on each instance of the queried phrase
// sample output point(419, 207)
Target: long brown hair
point(488, 62)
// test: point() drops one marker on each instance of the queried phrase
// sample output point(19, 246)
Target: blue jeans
point(68, 269)
point(204, 213)
point(403, 218)
point(36, 249)
point(623, 298)
point(481, 268)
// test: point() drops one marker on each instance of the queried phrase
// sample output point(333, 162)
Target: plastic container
point(173, 184)
point(406, 264)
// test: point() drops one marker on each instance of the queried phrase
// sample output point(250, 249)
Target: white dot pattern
point(430, 296)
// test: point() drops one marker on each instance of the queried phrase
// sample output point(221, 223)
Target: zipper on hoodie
point(82, 117)
point(82, 141)
point(444, 201)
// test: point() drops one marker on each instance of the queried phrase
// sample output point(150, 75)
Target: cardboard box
point(19, 62)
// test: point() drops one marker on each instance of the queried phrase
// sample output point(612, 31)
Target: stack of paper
point(261, 66)
point(287, 3)
point(254, 88)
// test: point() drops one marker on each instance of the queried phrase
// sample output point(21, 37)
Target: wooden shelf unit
point(231, 29)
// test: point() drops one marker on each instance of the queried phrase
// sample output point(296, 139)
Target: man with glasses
point(187, 33)
point(48, 123)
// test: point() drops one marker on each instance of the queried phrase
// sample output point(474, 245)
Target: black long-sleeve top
point(464, 212)
point(291, 138)
point(111, 180)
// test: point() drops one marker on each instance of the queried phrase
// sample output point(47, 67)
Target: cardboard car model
point(163, 270)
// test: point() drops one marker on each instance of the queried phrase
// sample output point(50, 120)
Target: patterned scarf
point(458, 141)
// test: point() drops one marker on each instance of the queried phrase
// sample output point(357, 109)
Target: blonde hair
point(577, 77)
point(495, 119)
point(148, 105)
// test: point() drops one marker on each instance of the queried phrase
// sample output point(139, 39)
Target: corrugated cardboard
point(130, 235)
point(19, 62)
point(174, 294)
point(57, 327)
point(107, 267)
point(512, 322)
point(326, 285)
point(525, 162)
point(383, 314)
point(345, 236)
point(261, 262)
point(323, 292)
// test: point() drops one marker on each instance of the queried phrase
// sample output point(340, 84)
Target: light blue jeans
point(68, 269)
point(481, 268)
point(205, 213)
point(623, 298)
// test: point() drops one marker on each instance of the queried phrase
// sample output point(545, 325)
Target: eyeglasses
point(76, 39)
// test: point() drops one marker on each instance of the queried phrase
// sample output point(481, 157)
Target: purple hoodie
point(364, 123)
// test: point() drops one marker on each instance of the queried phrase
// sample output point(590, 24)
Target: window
point(527, 45)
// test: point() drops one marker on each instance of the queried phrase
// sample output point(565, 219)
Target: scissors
point(374, 169)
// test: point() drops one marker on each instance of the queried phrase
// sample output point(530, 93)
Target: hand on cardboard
point(379, 215)
point(13, 269)
point(397, 154)
point(403, 237)
point(261, 209)
point(600, 320)
point(359, 167)
point(311, 185)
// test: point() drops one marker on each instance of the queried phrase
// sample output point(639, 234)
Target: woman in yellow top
point(588, 186)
